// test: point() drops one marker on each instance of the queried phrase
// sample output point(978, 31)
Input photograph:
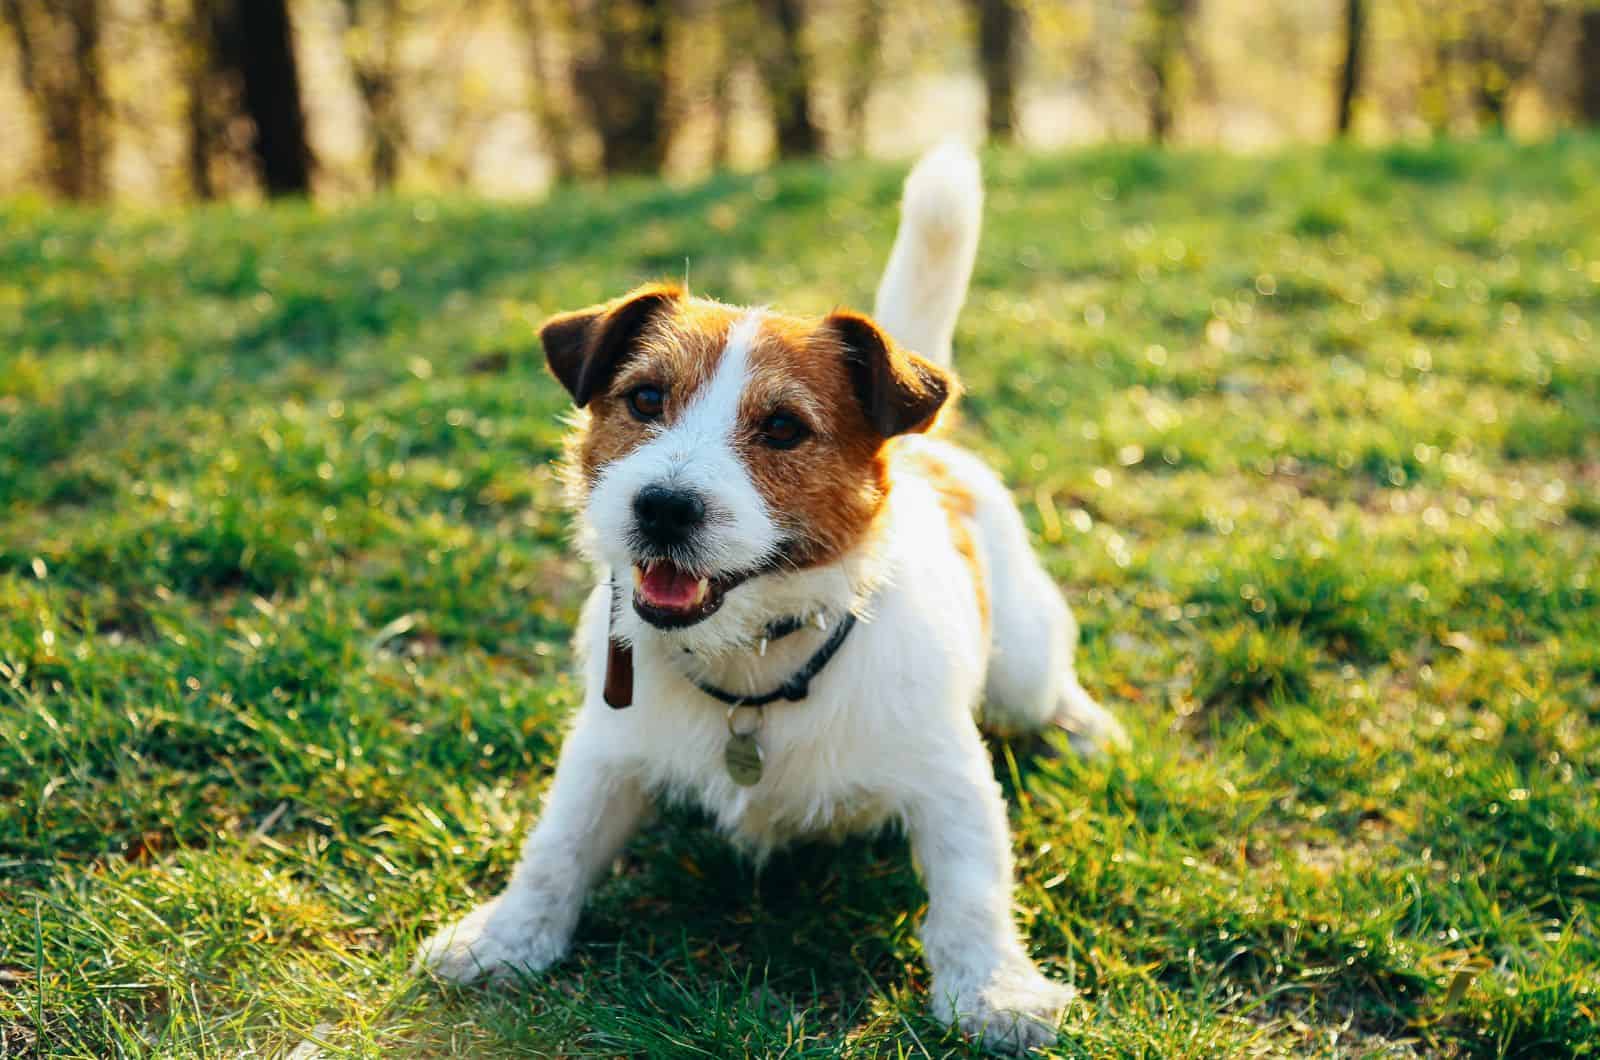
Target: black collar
point(779, 628)
point(619, 664)
point(799, 684)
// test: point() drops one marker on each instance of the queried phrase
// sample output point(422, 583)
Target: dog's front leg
point(589, 814)
point(983, 979)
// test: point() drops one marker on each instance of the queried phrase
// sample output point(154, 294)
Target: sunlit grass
point(1313, 441)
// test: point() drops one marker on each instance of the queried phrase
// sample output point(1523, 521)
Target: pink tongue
point(666, 586)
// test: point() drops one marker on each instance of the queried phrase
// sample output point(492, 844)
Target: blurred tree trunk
point(549, 87)
point(201, 144)
point(788, 79)
point(92, 107)
point(739, 32)
point(1589, 66)
point(1500, 56)
point(206, 102)
point(865, 45)
point(270, 79)
point(1355, 27)
point(58, 50)
point(252, 52)
point(203, 92)
point(999, 55)
point(722, 112)
point(621, 72)
point(1163, 52)
point(372, 29)
point(1491, 86)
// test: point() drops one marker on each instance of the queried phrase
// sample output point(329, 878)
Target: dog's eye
point(646, 402)
point(783, 431)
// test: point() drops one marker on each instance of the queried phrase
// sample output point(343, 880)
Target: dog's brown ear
point(900, 392)
point(584, 348)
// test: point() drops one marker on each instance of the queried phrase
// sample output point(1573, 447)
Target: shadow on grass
point(692, 946)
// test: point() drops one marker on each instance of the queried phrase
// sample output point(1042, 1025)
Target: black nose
point(668, 516)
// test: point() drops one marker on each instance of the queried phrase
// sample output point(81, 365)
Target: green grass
point(1313, 441)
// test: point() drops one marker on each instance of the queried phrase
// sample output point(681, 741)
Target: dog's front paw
point(494, 941)
point(1014, 1011)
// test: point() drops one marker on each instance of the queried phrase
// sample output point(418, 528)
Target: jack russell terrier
point(804, 596)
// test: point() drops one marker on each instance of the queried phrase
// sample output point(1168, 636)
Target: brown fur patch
point(828, 490)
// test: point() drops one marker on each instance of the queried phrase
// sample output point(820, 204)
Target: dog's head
point(723, 444)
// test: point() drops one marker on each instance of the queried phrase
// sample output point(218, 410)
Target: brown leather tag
point(619, 675)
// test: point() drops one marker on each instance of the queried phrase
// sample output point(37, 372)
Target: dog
point(804, 596)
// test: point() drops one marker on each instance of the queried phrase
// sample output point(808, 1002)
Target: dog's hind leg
point(1089, 726)
point(1032, 683)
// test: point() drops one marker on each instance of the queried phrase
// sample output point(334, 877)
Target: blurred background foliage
point(161, 100)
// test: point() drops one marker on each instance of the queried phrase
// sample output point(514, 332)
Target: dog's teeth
point(701, 588)
point(761, 649)
point(822, 621)
point(638, 577)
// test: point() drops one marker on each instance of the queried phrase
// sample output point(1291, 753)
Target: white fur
point(887, 735)
point(925, 282)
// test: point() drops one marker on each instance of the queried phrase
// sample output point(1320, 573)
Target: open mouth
point(669, 597)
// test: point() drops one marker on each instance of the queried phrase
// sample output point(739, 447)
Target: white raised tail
point(925, 282)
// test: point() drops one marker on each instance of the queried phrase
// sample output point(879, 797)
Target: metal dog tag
point(742, 756)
